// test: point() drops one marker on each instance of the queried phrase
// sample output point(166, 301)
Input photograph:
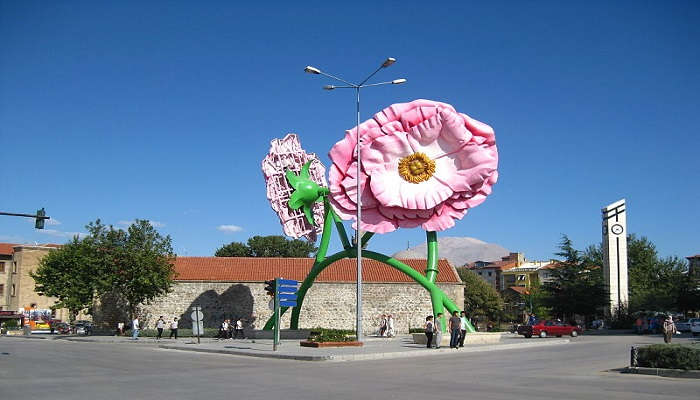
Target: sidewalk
point(374, 348)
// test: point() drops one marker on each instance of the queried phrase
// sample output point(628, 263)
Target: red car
point(549, 328)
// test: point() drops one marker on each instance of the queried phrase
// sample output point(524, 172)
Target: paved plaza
point(105, 368)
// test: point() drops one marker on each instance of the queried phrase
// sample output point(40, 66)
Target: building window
point(521, 277)
point(490, 273)
point(2, 290)
point(12, 293)
point(14, 267)
point(2, 267)
point(479, 272)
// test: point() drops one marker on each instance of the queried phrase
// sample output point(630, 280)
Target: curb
point(372, 356)
point(665, 372)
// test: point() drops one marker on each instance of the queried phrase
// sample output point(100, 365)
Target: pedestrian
point(438, 330)
point(429, 329)
point(173, 328)
point(382, 325)
point(238, 329)
point(645, 325)
point(669, 329)
point(160, 324)
point(462, 328)
point(532, 320)
point(120, 328)
point(638, 325)
point(135, 329)
point(223, 328)
point(390, 326)
point(455, 324)
point(231, 329)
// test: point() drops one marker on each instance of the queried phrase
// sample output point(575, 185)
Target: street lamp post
point(358, 235)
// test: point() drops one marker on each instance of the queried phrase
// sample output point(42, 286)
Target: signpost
point(285, 295)
point(197, 322)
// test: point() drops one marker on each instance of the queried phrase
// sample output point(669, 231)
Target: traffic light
point(271, 287)
point(39, 222)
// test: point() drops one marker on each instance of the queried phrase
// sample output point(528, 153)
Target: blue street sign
point(288, 297)
point(288, 283)
point(288, 303)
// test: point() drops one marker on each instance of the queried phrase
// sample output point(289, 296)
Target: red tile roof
point(519, 289)
point(6, 249)
point(259, 269)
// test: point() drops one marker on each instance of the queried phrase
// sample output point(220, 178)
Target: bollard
point(633, 356)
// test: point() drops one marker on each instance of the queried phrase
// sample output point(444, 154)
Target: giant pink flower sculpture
point(423, 164)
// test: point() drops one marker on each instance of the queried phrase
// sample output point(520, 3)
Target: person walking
point(455, 324)
point(173, 328)
point(382, 325)
point(120, 328)
point(238, 329)
point(429, 330)
point(462, 328)
point(438, 330)
point(390, 326)
point(223, 329)
point(135, 327)
point(669, 329)
point(160, 324)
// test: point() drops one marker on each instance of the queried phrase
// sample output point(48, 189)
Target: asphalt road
point(67, 370)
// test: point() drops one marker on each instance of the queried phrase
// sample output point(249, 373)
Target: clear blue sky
point(164, 111)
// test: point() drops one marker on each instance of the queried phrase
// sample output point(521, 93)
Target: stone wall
point(327, 305)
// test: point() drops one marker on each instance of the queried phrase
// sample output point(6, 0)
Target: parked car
point(695, 326)
point(683, 325)
point(61, 328)
point(549, 328)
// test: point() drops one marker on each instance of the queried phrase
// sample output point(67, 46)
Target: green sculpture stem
point(438, 298)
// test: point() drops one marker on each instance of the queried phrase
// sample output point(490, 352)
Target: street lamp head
point(388, 62)
point(398, 81)
point(329, 87)
point(312, 70)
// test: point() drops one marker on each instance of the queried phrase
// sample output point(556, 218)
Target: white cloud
point(53, 221)
point(229, 228)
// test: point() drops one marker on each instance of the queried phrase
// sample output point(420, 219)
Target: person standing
point(438, 330)
point(173, 328)
point(669, 329)
point(638, 325)
point(462, 328)
point(135, 328)
point(120, 328)
point(160, 324)
point(455, 324)
point(429, 329)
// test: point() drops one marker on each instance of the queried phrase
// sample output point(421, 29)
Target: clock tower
point(615, 254)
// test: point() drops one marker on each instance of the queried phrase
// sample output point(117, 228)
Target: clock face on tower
point(617, 229)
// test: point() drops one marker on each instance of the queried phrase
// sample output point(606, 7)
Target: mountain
point(458, 250)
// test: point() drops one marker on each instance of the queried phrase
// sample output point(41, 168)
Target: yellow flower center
point(416, 168)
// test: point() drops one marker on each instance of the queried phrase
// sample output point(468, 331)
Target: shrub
point(673, 356)
point(331, 335)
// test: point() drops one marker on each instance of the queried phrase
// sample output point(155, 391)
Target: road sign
point(196, 308)
point(197, 315)
point(288, 303)
point(198, 328)
point(288, 282)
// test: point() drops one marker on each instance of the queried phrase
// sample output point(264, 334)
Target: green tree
point(234, 249)
point(268, 246)
point(67, 274)
point(655, 284)
point(136, 265)
point(480, 298)
point(577, 285)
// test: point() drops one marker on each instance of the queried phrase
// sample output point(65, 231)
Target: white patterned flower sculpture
point(287, 169)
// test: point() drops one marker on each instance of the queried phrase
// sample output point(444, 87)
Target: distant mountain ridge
point(458, 250)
